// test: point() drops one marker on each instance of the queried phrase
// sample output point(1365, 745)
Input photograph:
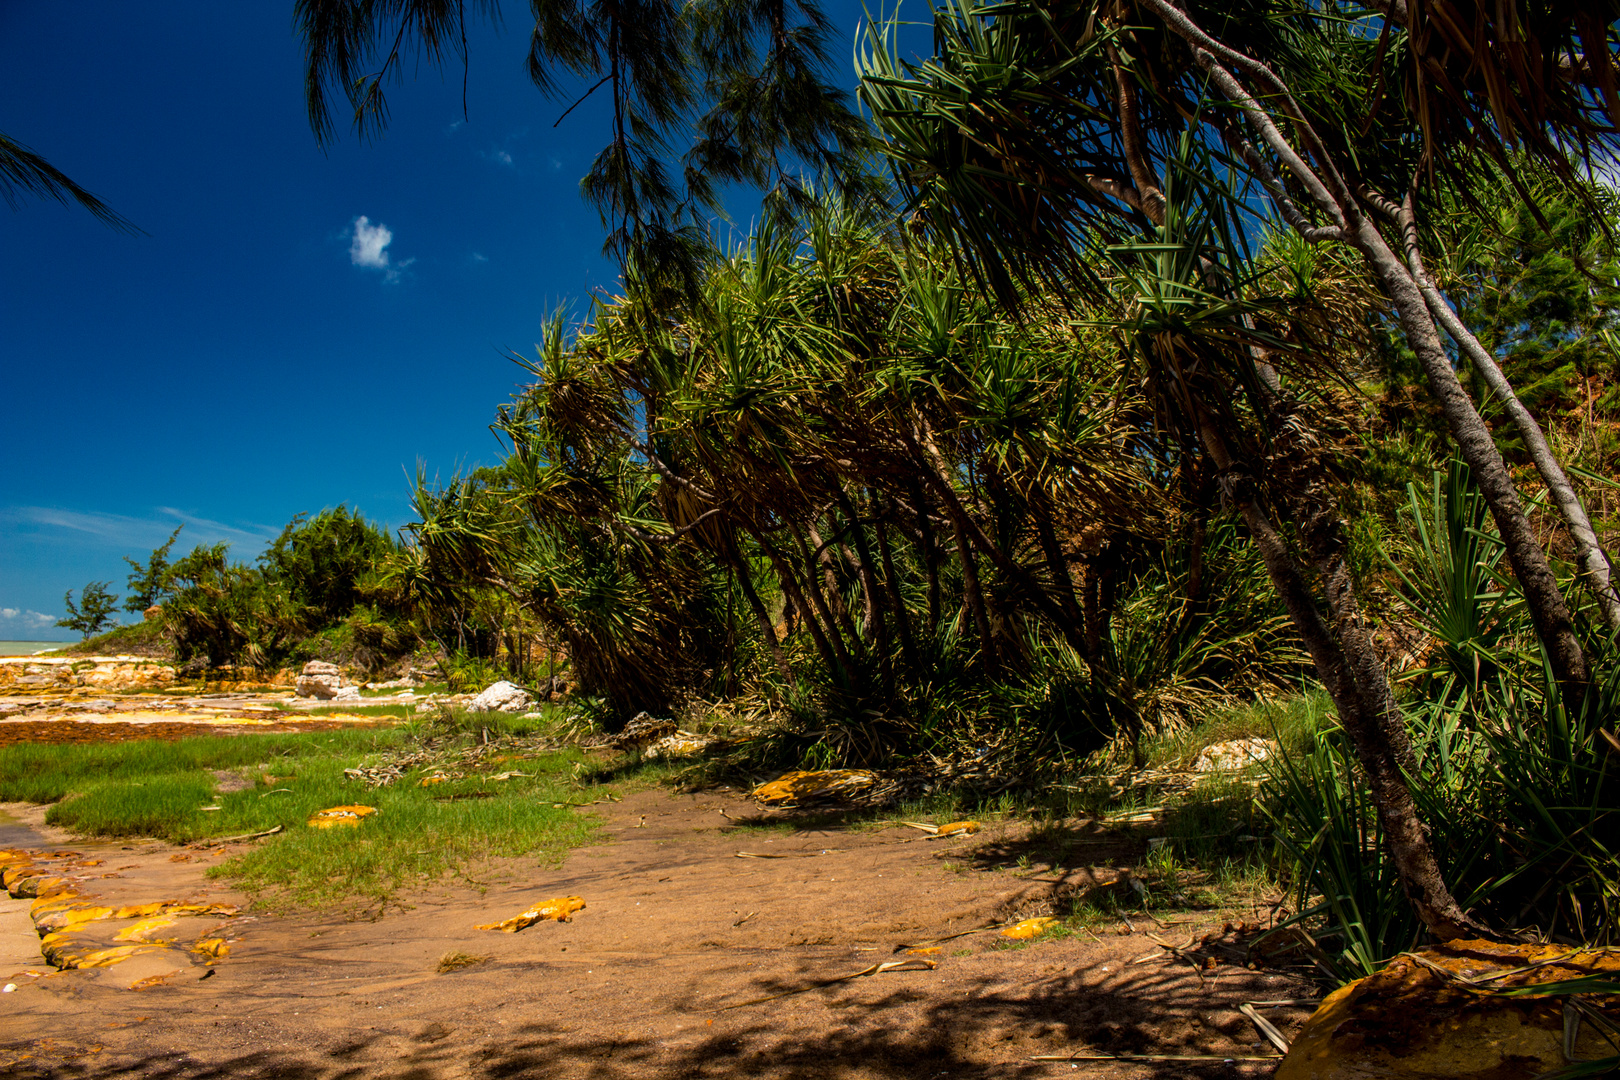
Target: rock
point(1234, 755)
point(104, 672)
point(502, 697)
point(850, 786)
point(152, 612)
point(642, 731)
point(1410, 1021)
point(325, 681)
point(678, 744)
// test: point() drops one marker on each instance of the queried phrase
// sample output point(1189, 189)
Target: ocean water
point(29, 648)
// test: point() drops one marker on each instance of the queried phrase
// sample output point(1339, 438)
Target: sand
point(655, 977)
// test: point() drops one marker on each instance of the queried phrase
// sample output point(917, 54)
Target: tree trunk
point(975, 600)
point(874, 604)
point(1554, 624)
point(763, 616)
point(1328, 190)
point(1589, 554)
point(784, 574)
point(930, 553)
point(1379, 749)
point(822, 554)
point(1040, 506)
point(1091, 596)
point(819, 604)
point(891, 582)
point(937, 472)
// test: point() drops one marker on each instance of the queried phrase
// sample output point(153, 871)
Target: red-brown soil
point(676, 928)
point(68, 731)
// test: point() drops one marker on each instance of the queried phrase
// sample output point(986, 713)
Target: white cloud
point(368, 245)
point(23, 619)
point(479, 257)
point(555, 164)
point(503, 157)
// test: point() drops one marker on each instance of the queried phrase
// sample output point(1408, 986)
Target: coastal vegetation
point(1140, 365)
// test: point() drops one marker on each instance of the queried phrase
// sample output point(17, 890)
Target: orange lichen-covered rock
point(148, 931)
point(34, 885)
point(340, 815)
point(559, 909)
point(55, 901)
point(67, 951)
point(958, 828)
point(795, 787)
point(212, 948)
point(63, 917)
point(1411, 1022)
point(1029, 928)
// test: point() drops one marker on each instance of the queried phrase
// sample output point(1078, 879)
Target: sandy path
point(676, 927)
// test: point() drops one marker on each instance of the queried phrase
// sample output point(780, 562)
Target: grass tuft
point(455, 960)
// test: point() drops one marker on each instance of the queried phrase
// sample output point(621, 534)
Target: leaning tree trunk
point(766, 629)
point(874, 600)
point(1553, 621)
point(891, 584)
point(1589, 555)
point(1360, 690)
point(1328, 191)
point(790, 585)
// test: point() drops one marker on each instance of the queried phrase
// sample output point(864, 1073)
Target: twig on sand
point(1264, 1027)
point(246, 836)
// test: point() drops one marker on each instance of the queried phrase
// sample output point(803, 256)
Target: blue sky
point(298, 328)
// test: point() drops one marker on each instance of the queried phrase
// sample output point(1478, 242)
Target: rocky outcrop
point(325, 681)
point(502, 697)
point(55, 675)
point(1443, 1016)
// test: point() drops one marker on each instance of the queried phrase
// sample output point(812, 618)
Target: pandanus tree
point(840, 443)
point(1046, 141)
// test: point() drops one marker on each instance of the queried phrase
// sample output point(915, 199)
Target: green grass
point(47, 773)
point(401, 712)
point(143, 638)
point(1292, 721)
point(420, 835)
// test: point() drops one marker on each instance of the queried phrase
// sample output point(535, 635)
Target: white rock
point(325, 681)
point(1237, 754)
point(502, 697)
